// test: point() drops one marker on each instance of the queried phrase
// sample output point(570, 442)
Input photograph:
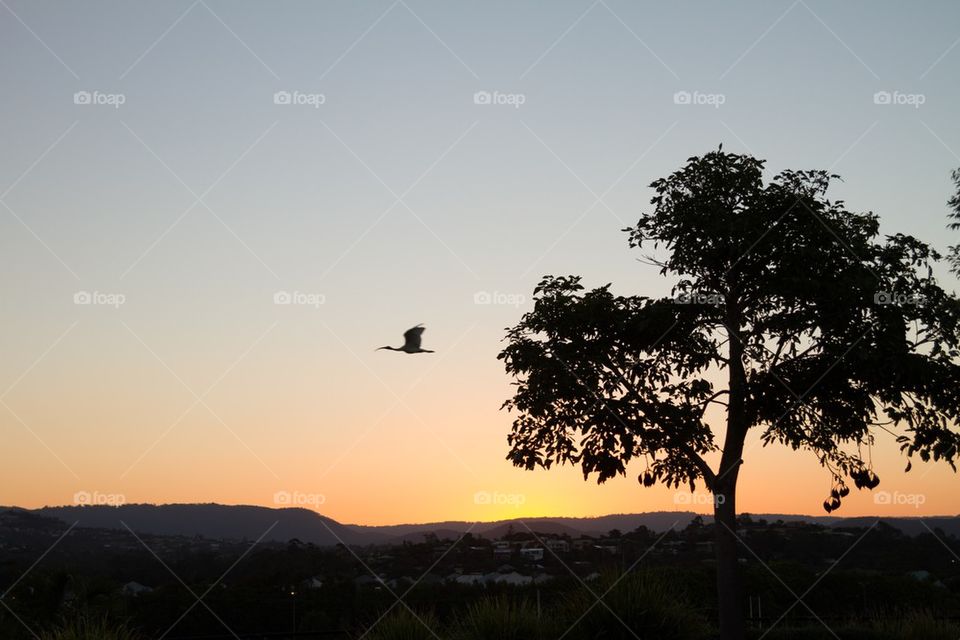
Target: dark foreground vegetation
point(101, 584)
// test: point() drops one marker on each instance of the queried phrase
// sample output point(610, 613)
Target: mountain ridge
point(252, 522)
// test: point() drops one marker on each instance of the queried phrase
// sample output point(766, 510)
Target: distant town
point(57, 568)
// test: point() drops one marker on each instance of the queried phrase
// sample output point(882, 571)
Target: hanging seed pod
point(844, 491)
point(827, 506)
point(834, 504)
point(859, 479)
point(835, 494)
point(648, 479)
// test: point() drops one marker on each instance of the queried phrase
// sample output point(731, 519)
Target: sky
point(173, 172)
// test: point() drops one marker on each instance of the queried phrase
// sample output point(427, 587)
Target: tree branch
point(708, 475)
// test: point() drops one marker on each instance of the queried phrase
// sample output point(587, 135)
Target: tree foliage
point(787, 309)
point(954, 215)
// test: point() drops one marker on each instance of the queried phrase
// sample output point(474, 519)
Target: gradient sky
point(397, 200)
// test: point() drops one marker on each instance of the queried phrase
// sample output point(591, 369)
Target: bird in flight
point(411, 341)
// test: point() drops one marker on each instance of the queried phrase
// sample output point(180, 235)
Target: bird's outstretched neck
point(411, 341)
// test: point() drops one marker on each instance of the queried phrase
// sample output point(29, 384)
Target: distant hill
point(216, 521)
point(910, 526)
point(600, 525)
point(227, 522)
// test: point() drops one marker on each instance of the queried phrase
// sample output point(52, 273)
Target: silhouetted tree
point(787, 311)
point(695, 525)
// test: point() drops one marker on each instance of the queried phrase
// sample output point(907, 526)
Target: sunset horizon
point(506, 517)
point(402, 262)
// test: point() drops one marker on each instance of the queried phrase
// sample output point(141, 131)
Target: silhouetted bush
point(903, 625)
point(642, 603)
point(505, 619)
point(85, 627)
point(917, 625)
point(400, 624)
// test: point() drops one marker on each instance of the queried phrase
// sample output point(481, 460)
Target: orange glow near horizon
point(355, 477)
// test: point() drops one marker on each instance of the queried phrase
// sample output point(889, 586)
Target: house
point(925, 576)
point(513, 578)
point(368, 580)
point(558, 545)
point(672, 546)
point(582, 544)
point(312, 583)
point(532, 553)
point(399, 583)
point(135, 589)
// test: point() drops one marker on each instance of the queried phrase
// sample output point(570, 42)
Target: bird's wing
point(411, 337)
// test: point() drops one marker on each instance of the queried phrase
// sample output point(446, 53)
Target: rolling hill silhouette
point(239, 522)
point(227, 522)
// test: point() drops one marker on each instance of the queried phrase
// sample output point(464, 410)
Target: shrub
point(917, 625)
point(85, 627)
point(504, 619)
point(897, 625)
point(641, 603)
point(400, 624)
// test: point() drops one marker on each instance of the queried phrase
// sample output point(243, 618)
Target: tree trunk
point(725, 485)
point(729, 597)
